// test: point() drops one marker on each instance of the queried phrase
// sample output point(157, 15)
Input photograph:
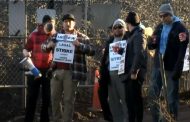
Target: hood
point(176, 19)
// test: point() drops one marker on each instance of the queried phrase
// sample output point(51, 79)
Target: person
point(109, 75)
point(109, 31)
point(135, 67)
point(103, 90)
point(169, 40)
point(42, 61)
point(67, 75)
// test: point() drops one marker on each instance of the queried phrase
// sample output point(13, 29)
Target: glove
point(44, 47)
point(49, 73)
point(176, 75)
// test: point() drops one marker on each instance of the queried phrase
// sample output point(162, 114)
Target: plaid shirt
point(78, 67)
point(40, 59)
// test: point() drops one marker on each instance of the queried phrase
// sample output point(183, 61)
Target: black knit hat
point(133, 18)
point(69, 17)
point(46, 19)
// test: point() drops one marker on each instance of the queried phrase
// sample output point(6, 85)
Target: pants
point(154, 93)
point(103, 97)
point(33, 89)
point(117, 98)
point(62, 82)
point(134, 100)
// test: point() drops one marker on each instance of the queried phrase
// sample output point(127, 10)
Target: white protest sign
point(64, 49)
point(115, 58)
point(66, 37)
point(186, 61)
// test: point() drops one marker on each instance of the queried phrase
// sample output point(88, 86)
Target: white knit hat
point(119, 22)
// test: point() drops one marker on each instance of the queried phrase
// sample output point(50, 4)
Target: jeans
point(103, 97)
point(154, 93)
point(134, 100)
point(33, 90)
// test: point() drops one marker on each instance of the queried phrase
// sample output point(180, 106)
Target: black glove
point(176, 75)
point(49, 73)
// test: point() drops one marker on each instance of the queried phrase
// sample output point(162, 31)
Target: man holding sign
point(70, 50)
point(133, 65)
point(109, 72)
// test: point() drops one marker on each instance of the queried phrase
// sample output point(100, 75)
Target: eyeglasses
point(117, 27)
point(163, 15)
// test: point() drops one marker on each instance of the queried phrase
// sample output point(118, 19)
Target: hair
point(46, 19)
point(133, 18)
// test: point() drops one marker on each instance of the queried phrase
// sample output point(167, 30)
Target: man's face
point(165, 18)
point(69, 25)
point(118, 30)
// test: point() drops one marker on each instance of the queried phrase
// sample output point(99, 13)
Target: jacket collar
point(133, 31)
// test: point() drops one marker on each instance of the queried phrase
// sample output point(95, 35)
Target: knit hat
point(119, 22)
point(166, 8)
point(68, 16)
point(46, 19)
point(133, 18)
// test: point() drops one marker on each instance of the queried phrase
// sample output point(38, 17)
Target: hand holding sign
point(116, 48)
point(76, 43)
point(51, 44)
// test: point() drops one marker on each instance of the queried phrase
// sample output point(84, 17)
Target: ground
point(85, 113)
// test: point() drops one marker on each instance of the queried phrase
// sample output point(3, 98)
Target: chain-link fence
point(15, 27)
point(11, 77)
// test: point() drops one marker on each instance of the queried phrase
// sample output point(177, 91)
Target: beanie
point(46, 19)
point(133, 18)
point(68, 16)
point(166, 8)
point(119, 22)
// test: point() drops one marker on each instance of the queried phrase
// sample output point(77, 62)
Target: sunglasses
point(117, 27)
point(163, 15)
